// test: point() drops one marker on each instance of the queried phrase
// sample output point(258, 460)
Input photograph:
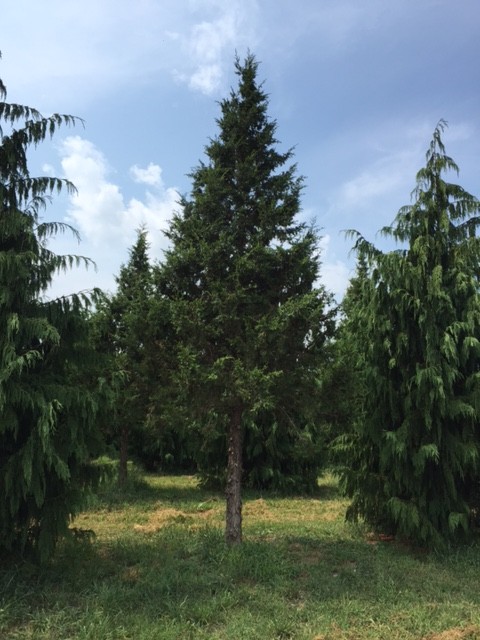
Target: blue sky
point(356, 86)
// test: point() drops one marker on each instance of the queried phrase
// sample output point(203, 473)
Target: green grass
point(158, 569)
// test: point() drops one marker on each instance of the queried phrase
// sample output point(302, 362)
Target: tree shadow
point(148, 490)
point(185, 575)
point(187, 490)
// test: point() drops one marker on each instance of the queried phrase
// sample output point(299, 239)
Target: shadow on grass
point(186, 490)
point(181, 581)
point(190, 578)
point(147, 489)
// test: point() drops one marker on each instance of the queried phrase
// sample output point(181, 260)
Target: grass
point(158, 569)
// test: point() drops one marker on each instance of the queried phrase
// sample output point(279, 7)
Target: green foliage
point(133, 329)
point(412, 460)
point(122, 334)
point(165, 443)
point(251, 319)
point(279, 455)
point(47, 403)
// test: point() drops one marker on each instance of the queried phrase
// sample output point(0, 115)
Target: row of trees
point(244, 320)
point(225, 356)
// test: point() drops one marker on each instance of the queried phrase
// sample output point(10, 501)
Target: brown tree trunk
point(233, 491)
point(122, 465)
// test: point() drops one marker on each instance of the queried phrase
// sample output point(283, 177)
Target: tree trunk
point(233, 491)
point(122, 466)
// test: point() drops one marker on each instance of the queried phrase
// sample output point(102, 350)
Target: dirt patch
point(471, 632)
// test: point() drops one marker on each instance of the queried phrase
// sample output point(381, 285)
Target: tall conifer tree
point(47, 410)
point(122, 327)
point(242, 277)
point(414, 458)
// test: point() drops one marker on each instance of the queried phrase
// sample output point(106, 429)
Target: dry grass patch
point(104, 523)
point(165, 517)
point(131, 575)
point(293, 511)
point(258, 509)
point(159, 568)
point(304, 510)
point(471, 632)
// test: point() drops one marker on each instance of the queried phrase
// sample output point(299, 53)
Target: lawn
point(150, 564)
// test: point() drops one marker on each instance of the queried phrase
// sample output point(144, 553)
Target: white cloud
point(48, 169)
point(106, 219)
point(390, 160)
point(334, 273)
point(368, 185)
point(152, 175)
point(99, 209)
point(208, 38)
point(336, 276)
point(207, 42)
point(206, 79)
point(391, 155)
point(86, 49)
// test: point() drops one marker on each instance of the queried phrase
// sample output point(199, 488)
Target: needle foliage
point(47, 404)
point(251, 319)
point(411, 465)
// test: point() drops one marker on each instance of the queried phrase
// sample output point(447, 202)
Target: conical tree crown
point(242, 275)
point(418, 449)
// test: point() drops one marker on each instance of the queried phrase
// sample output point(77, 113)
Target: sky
point(356, 88)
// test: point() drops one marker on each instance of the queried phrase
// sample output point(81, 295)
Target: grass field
point(158, 569)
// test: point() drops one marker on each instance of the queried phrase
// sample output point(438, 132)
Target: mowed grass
point(158, 568)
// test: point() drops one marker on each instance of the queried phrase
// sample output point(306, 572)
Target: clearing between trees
point(151, 562)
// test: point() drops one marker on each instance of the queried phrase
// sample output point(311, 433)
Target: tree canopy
point(47, 403)
point(122, 333)
point(412, 462)
point(242, 277)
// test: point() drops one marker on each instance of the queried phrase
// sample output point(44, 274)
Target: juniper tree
point(242, 277)
point(122, 330)
point(412, 461)
point(47, 410)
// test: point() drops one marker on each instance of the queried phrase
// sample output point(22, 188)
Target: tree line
point(229, 357)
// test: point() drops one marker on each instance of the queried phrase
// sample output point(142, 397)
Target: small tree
point(122, 330)
point(242, 277)
point(47, 409)
point(412, 460)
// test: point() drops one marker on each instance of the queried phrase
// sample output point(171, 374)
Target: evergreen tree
point(413, 459)
point(241, 275)
point(166, 443)
point(123, 332)
point(47, 408)
point(343, 386)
